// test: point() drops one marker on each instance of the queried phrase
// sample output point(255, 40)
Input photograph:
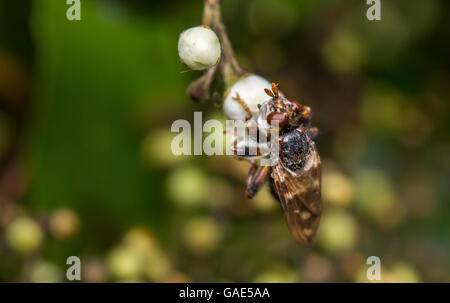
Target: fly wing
point(300, 197)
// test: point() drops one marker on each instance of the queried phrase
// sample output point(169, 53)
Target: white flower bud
point(250, 90)
point(199, 48)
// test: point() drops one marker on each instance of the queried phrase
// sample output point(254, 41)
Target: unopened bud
point(245, 95)
point(199, 48)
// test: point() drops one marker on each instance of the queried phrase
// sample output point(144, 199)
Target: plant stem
point(229, 67)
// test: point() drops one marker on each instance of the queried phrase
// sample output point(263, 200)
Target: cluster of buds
point(199, 48)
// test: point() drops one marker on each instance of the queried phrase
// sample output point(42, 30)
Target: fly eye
point(276, 116)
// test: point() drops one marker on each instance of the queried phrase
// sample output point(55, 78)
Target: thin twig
point(199, 89)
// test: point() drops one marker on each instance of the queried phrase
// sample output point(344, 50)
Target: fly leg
point(312, 132)
point(255, 179)
point(247, 151)
point(244, 105)
point(248, 146)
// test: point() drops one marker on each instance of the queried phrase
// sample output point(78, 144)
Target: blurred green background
point(85, 163)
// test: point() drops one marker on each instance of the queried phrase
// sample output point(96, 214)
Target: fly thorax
point(294, 150)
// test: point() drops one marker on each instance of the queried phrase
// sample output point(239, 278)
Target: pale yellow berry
point(64, 223)
point(45, 272)
point(202, 235)
point(338, 232)
point(24, 235)
point(125, 263)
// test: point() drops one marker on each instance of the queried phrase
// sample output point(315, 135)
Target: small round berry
point(24, 235)
point(245, 95)
point(199, 48)
point(64, 223)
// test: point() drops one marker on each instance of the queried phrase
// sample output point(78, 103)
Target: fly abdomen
point(294, 150)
